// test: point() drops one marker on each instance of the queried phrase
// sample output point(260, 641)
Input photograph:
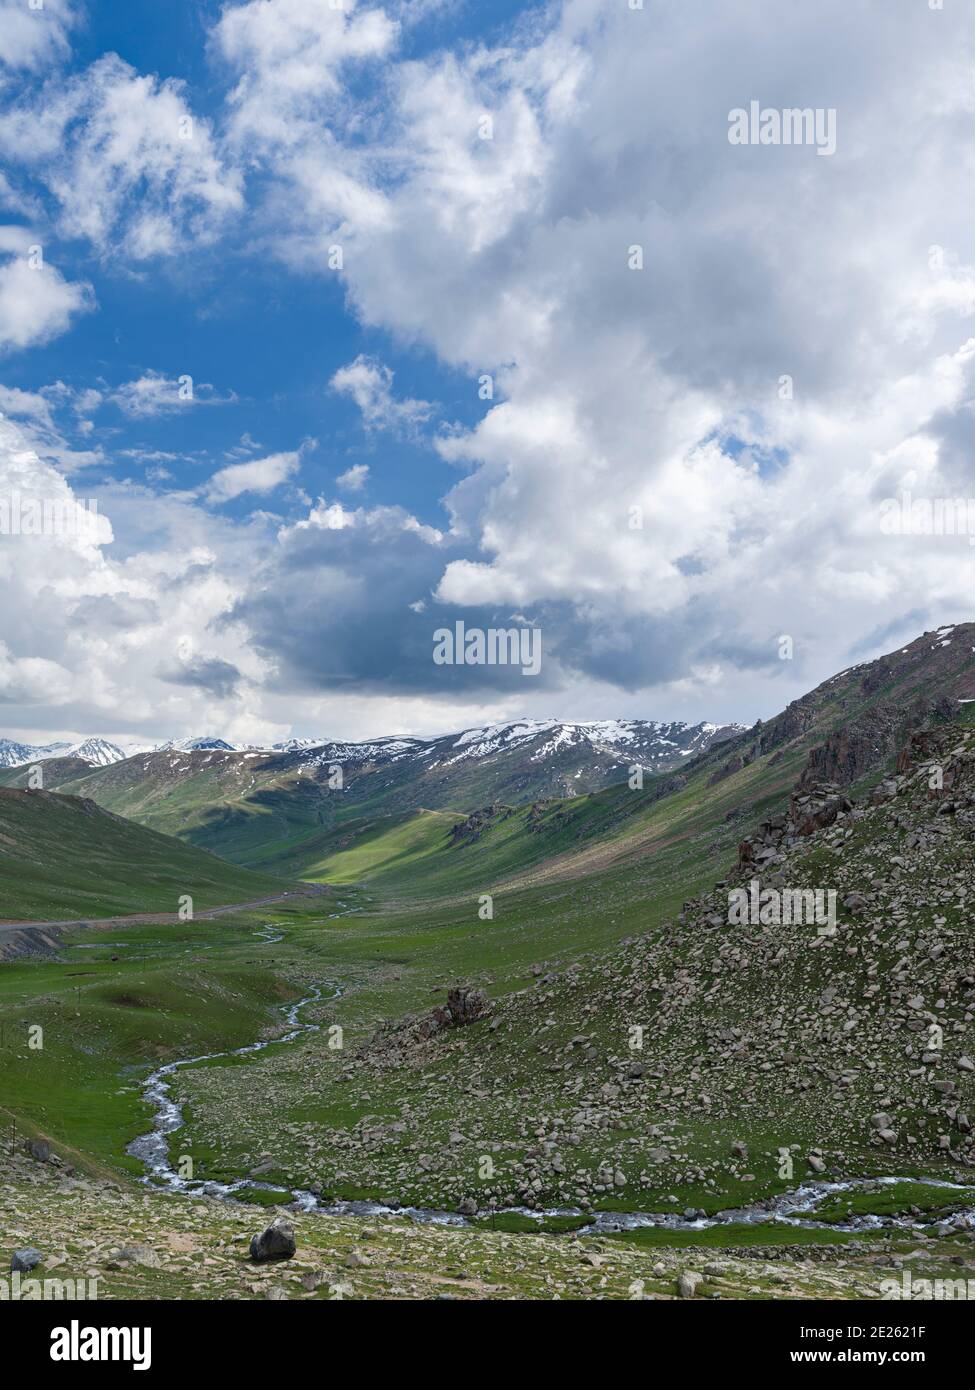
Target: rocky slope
point(702, 1057)
point(127, 1242)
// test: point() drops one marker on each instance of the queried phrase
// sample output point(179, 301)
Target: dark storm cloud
point(218, 677)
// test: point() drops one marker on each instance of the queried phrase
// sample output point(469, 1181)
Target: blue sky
point(276, 554)
point(267, 342)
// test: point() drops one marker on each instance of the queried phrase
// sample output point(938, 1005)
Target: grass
point(894, 1199)
point(63, 858)
point(517, 1224)
point(733, 1235)
point(387, 849)
point(105, 1023)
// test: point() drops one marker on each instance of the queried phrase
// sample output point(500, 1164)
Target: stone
point(133, 1255)
point(687, 1283)
point(25, 1260)
point(277, 1242)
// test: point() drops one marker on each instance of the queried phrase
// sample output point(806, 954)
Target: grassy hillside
point(242, 804)
point(62, 857)
point(673, 830)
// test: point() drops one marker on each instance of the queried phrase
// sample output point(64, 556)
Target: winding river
point(789, 1208)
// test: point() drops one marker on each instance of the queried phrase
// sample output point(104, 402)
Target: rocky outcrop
point(868, 743)
point(856, 749)
point(465, 1005)
point(727, 769)
point(810, 810)
point(791, 724)
point(469, 831)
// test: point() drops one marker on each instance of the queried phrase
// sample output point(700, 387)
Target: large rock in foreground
point(276, 1243)
point(25, 1260)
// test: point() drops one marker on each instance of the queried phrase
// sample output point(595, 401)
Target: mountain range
point(402, 805)
point(654, 745)
point(96, 752)
point(255, 805)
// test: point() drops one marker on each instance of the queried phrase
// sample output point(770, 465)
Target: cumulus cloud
point(122, 626)
point(289, 58)
point(36, 302)
point(370, 384)
point(709, 364)
point(354, 478)
point(259, 475)
point(35, 36)
point(690, 449)
point(126, 163)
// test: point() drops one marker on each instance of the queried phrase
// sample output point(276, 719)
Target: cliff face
point(871, 741)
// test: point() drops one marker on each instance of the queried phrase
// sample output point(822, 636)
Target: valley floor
point(125, 1241)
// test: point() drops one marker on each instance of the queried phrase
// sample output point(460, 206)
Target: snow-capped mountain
point(193, 745)
point(642, 742)
point(208, 783)
point(14, 754)
point(97, 752)
point(653, 742)
point(516, 760)
point(645, 742)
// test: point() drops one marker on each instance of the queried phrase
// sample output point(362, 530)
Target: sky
point(345, 322)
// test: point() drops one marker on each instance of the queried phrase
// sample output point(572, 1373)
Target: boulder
point(25, 1260)
point(277, 1242)
point(133, 1255)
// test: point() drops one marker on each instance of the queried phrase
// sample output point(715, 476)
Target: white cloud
point(124, 626)
point(354, 478)
point(124, 159)
point(32, 680)
point(370, 384)
point(659, 389)
point(501, 247)
point(35, 36)
point(289, 57)
point(259, 475)
point(36, 302)
point(154, 393)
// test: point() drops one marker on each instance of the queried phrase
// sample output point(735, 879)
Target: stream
point(789, 1208)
